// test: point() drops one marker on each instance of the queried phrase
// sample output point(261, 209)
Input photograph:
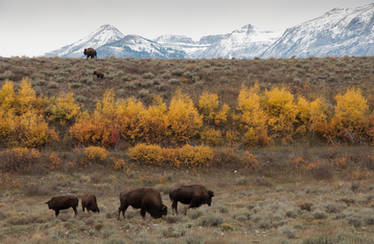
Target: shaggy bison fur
point(63, 202)
point(89, 202)
point(147, 199)
point(90, 52)
point(194, 195)
point(99, 74)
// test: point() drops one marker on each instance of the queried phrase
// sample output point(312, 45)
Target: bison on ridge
point(194, 195)
point(63, 202)
point(147, 199)
point(90, 52)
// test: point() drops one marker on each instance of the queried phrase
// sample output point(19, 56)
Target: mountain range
point(338, 32)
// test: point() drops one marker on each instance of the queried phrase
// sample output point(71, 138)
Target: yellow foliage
point(7, 96)
point(212, 137)
point(251, 114)
point(190, 156)
point(32, 130)
point(351, 114)
point(95, 153)
point(185, 121)
point(222, 115)
point(278, 103)
point(208, 104)
point(118, 164)
point(64, 108)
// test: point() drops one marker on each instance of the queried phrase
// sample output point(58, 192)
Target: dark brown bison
point(63, 202)
point(147, 199)
point(90, 52)
point(99, 74)
point(194, 195)
point(89, 202)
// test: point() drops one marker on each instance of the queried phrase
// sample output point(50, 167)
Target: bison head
point(49, 204)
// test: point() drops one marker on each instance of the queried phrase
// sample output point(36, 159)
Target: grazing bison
point(90, 52)
point(99, 74)
point(89, 202)
point(194, 195)
point(63, 202)
point(147, 199)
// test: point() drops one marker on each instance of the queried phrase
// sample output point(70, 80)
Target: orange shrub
point(63, 108)
point(278, 103)
point(96, 154)
point(184, 119)
point(350, 120)
point(208, 105)
point(212, 137)
point(190, 156)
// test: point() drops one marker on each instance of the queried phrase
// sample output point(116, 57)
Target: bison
point(147, 199)
point(89, 202)
point(194, 195)
point(90, 52)
point(63, 202)
point(99, 74)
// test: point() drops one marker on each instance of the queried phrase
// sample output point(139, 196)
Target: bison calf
point(147, 199)
point(90, 52)
point(99, 74)
point(89, 202)
point(194, 195)
point(63, 202)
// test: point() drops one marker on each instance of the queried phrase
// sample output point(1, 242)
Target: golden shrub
point(184, 119)
point(250, 161)
point(208, 104)
point(222, 115)
point(7, 96)
point(63, 108)
point(251, 114)
point(190, 156)
point(95, 153)
point(118, 164)
point(278, 103)
point(32, 130)
point(212, 137)
point(351, 115)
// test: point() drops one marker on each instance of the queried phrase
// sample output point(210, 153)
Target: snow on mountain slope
point(138, 47)
point(103, 35)
point(246, 42)
point(338, 32)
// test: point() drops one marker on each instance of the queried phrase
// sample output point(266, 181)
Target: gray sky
point(33, 27)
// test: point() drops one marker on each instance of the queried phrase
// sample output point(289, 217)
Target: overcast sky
point(33, 27)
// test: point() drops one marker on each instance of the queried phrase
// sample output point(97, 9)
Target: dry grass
point(143, 78)
point(241, 212)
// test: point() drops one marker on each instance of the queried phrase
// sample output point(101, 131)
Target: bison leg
point(175, 206)
point(82, 207)
point(57, 212)
point(122, 209)
point(75, 210)
point(142, 212)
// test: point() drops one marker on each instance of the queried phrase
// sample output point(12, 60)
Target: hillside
point(143, 78)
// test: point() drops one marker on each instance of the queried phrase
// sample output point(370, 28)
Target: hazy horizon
point(31, 28)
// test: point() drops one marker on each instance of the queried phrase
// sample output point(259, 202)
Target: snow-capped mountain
point(185, 44)
point(246, 42)
point(338, 32)
point(138, 47)
point(103, 35)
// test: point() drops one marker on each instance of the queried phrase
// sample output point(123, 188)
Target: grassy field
point(268, 206)
point(142, 78)
point(306, 190)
